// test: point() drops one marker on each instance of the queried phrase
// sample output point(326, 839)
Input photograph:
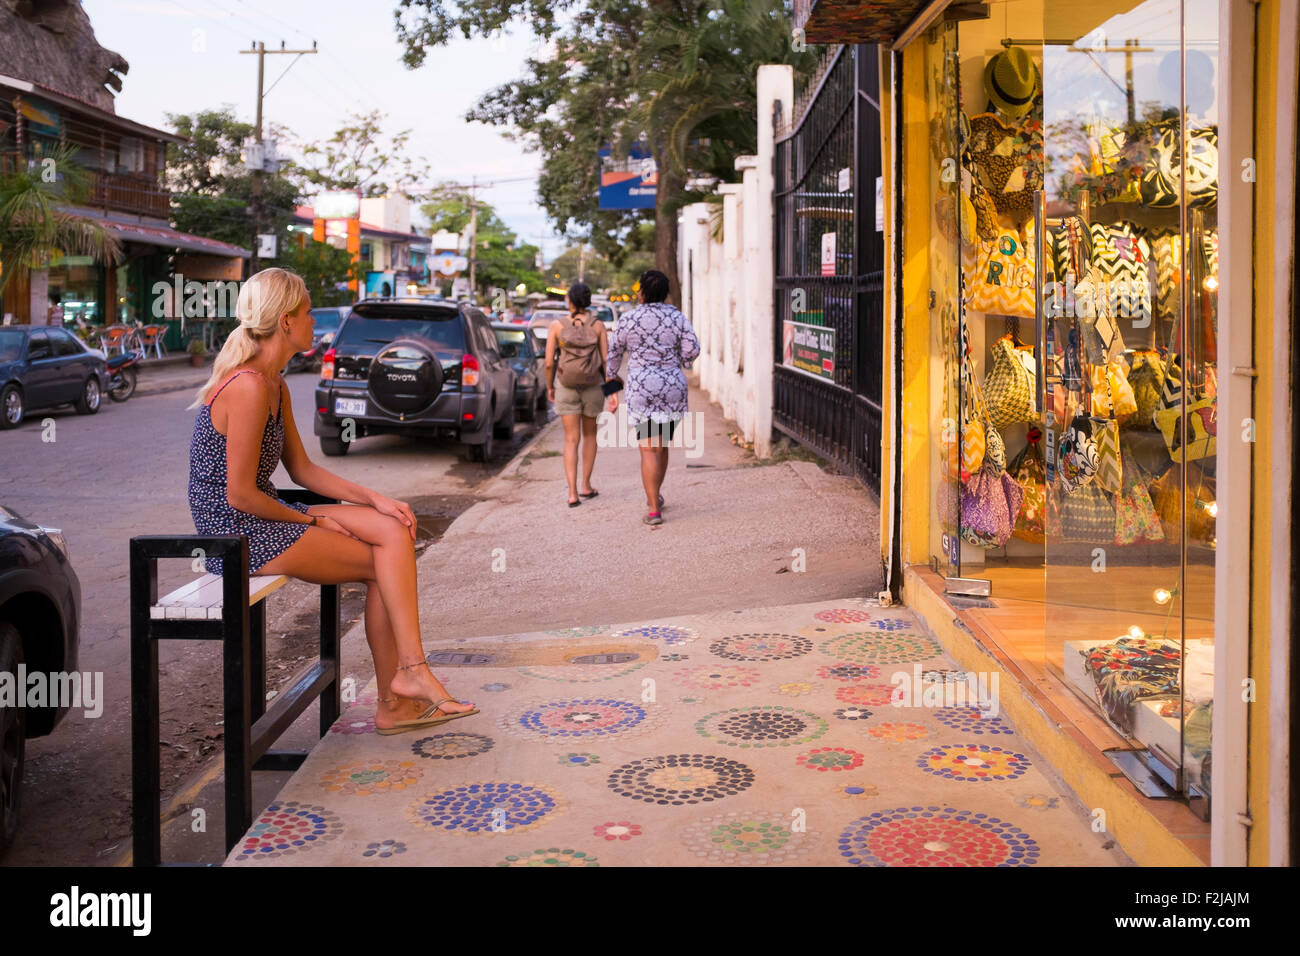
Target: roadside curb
point(513, 466)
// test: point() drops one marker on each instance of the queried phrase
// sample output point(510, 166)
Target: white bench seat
point(200, 599)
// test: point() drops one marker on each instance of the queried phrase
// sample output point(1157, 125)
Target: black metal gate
point(829, 311)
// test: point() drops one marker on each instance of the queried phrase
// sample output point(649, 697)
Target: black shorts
point(652, 429)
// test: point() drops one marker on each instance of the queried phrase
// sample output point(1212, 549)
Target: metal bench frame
point(251, 729)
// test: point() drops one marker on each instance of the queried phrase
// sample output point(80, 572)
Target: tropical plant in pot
point(197, 350)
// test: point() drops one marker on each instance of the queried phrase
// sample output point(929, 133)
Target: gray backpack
point(580, 363)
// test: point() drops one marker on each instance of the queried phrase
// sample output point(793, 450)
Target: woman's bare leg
point(588, 452)
point(383, 552)
point(571, 435)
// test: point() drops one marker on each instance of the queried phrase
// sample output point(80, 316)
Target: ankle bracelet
point(407, 667)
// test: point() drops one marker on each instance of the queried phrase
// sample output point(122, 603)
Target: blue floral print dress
point(659, 344)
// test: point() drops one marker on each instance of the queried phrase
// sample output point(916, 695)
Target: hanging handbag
point(1146, 377)
point(1087, 515)
point(1194, 504)
point(989, 504)
point(1027, 470)
point(1135, 514)
point(1008, 162)
point(1119, 283)
point(999, 276)
point(1166, 168)
point(1112, 396)
point(1008, 389)
point(1076, 460)
point(1202, 430)
point(1105, 435)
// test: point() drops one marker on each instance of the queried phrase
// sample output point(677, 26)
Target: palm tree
point(34, 226)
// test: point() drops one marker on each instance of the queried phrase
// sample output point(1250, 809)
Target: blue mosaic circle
point(492, 807)
point(935, 836)
point(890, 624)
point(589, 717)
point(972, 720)
point(668, 635)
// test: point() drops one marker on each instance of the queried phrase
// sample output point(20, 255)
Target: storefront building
point(1089, 433)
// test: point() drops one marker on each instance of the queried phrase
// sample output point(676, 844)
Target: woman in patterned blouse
point(659, 344)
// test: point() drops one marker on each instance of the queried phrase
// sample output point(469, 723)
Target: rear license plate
point(349, 406)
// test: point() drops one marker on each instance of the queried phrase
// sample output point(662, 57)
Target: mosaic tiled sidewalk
point(739, 738)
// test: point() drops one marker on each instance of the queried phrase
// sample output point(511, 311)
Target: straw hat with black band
point(1012, 81)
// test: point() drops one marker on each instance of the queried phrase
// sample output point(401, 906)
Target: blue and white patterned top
point(659, 343)
point(209, 507)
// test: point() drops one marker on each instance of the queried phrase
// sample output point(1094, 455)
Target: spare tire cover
point(406, 377)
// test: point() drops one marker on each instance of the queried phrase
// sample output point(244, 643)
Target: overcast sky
point(184, 56)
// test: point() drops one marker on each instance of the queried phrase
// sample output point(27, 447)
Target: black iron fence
point(830, 268)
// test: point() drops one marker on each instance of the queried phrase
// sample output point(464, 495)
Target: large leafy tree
point(359, 156)
point(323, 268)
point(679, 73)
point(34, 226)
point(212, 192)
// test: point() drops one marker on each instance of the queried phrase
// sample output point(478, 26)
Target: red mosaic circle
point(865, 695)
point(936, 842)
point(843, 615)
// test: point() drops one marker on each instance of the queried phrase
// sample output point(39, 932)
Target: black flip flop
point(574, 504)
point(592, 495)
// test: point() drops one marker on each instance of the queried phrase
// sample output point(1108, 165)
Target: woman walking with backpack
point(575, 355)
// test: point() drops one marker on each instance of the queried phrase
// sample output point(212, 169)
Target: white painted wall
point(727, 282)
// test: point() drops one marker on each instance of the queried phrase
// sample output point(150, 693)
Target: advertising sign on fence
point(828, 253)
point(628, 183)
point(809, 348)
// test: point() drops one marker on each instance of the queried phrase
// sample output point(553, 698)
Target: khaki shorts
point(588, 400)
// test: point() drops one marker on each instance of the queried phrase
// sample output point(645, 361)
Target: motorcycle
point(122, 375)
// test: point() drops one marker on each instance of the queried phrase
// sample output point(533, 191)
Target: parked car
point(42, 366)
point(40, 614)
point(526, 354)
point(325, 325)
point(542, 319)
point(414, 366)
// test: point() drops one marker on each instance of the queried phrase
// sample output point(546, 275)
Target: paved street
point(122, 472)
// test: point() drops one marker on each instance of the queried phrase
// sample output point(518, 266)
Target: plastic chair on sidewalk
point(112, 339)
point(151, 337)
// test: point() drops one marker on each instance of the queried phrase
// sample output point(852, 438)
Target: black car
point(42, 366)
point(415, 366)
point(526, 353)
point(40, 613)
point(325, 325)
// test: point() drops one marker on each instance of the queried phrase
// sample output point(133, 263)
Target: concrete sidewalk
point(681, 694)
point(171, 374)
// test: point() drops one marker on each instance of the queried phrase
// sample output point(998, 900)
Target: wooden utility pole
point(260, 50)
point(473, 235)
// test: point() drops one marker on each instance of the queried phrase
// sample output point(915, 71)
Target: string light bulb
point(1135, 632)
point(1162, 596)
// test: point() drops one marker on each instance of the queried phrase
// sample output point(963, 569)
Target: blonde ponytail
point(263, 299)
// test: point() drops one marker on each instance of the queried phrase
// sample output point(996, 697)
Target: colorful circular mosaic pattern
point(892, 623)
point(857, 791)
point(797, 688)
point(452, 746)
point(384, 849)
point(586, 631)
point(849, 673)
point(971, 720)
point(747, 839)
point(586, 717)
point(899, 733)
point(852, 713)
point(551, 857)
point(761, 647)
point(355, 720)
point(579, 760)
point(973, 762)
point(830, 758)
point(865, 695)
point(667, 634)
point(491, 807)
point(864, 647)
point(677, 779)
point(287, 828)
point(843, 615)
point(371, 777)
point(773, 726)
point(718, 676)
point(935, 836)
point(580, 673)
point(623, 830)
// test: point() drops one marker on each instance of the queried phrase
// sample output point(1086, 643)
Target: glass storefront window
point(1074, 360)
